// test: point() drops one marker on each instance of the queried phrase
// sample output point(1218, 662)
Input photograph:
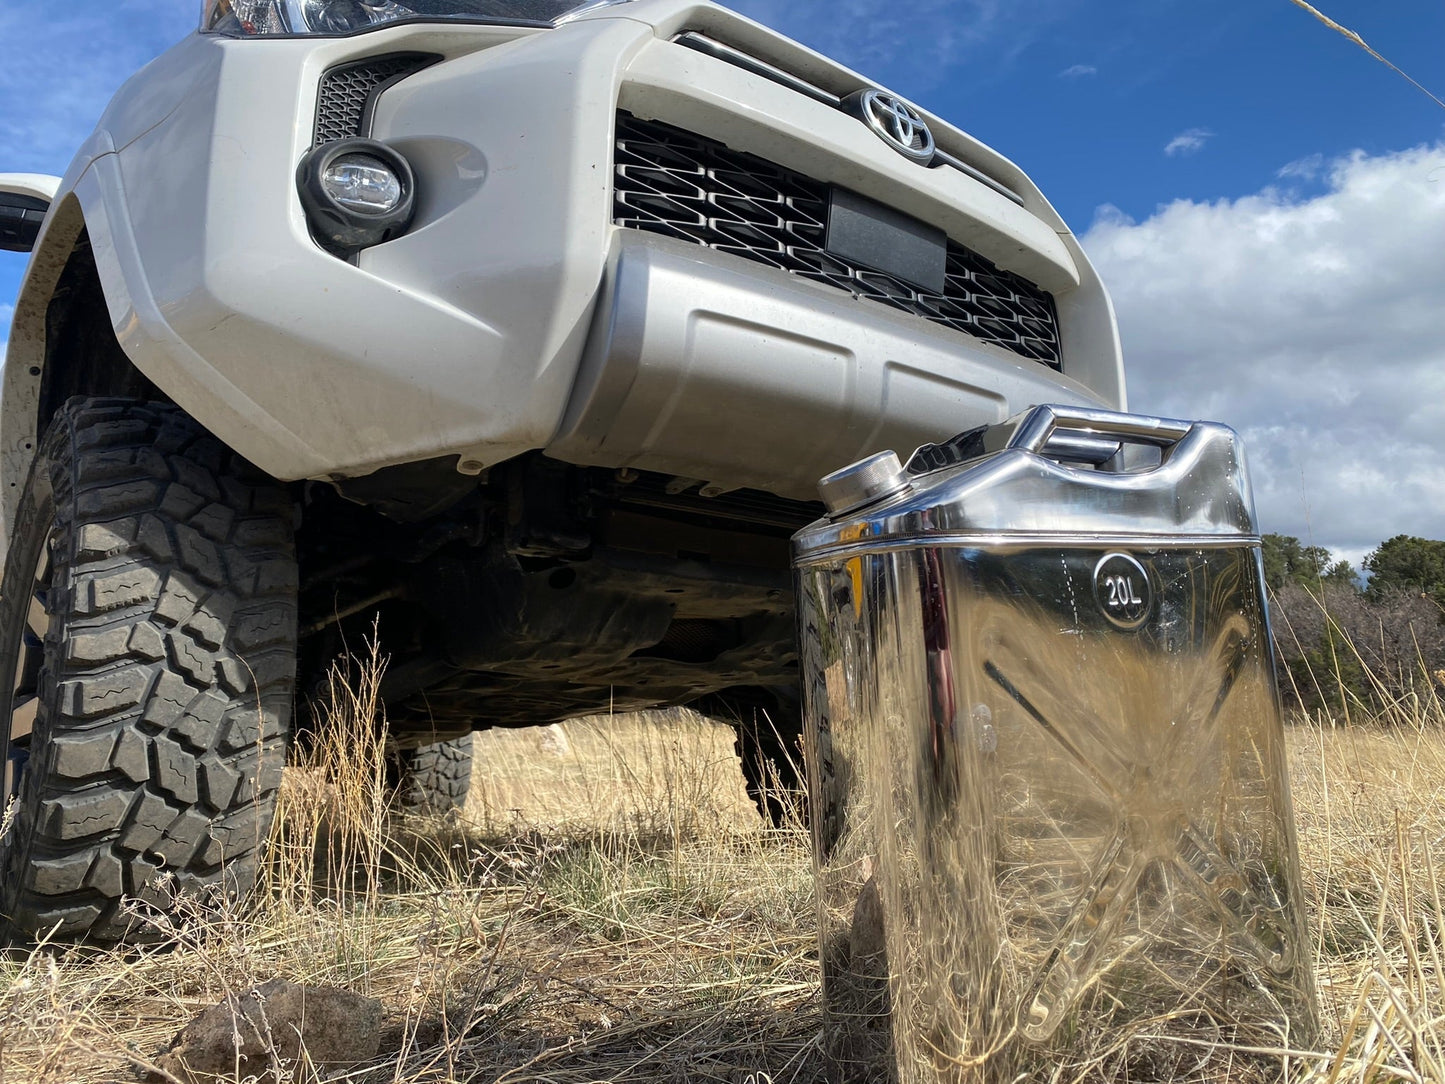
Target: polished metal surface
point(1200, 488)
point(874, 479)
point(1042, 427)
point(899, 124)
point(1048, 767)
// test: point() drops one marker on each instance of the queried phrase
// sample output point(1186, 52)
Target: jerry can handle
point(1084, 435)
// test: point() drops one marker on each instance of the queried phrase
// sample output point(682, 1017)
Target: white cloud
point(1315, 326)
point(1189, 141)
point(7, 313)
point(1307, 168)
point(1077, 71)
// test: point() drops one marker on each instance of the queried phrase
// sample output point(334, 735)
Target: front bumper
point(480, 334)
point(717, 370)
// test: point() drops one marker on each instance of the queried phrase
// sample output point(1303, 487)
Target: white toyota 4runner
point(526, 325)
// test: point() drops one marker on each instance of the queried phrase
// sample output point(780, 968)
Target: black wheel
point(147, 660)
point(433, 778)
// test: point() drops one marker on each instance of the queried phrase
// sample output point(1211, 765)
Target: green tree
point(1340, 574)
point(1286, 560)
point(1407, 563)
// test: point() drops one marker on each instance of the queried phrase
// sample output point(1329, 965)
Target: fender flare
point(77, 206)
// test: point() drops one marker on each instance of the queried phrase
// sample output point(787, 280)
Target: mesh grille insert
point(348, 93)
point(672, 182)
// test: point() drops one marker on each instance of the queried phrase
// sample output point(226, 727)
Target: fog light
point(362, 183)
point(356, 193)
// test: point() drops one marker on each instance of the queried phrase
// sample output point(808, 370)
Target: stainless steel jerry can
point(1046, 753)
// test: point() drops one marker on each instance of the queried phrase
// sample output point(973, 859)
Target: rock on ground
point(276, 1025)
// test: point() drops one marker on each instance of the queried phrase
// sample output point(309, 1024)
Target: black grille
point(348, 92)
point(678, 184)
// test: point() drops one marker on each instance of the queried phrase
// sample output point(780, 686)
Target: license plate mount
point(868, 234)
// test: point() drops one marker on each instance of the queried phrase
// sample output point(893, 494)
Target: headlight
point(259, 17)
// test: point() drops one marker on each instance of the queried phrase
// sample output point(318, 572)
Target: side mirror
point(20, 219)
point(24, 199)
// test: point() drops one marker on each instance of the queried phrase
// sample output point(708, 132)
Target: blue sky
point(1086, 94)
point(1266, 202)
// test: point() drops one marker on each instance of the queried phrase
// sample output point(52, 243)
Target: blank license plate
point(868, 234)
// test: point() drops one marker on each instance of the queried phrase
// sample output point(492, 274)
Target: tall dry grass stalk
point(672, 938)
point(330, 832)
point(1346, 32)
point(1370, 803)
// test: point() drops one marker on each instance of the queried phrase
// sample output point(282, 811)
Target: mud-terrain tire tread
point(768, 731)
point(169, 667)
point(435, 778)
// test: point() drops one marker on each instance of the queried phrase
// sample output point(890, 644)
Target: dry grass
point(561, 933)
point(669, 938)
point(1370, 806)
point(659, 773)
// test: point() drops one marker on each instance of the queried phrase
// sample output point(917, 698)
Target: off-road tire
point(168, 665)
point(433, 778)
point(768, 724)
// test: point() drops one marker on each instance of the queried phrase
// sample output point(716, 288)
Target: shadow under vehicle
point(517, 330)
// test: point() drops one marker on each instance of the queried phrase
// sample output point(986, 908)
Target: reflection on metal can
point(1047, 757)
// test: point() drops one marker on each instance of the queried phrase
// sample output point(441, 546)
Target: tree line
point(1372, 639)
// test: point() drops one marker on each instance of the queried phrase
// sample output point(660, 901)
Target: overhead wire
point(1354, 37)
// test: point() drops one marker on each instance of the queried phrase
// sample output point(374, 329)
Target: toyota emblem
point(898, 124)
